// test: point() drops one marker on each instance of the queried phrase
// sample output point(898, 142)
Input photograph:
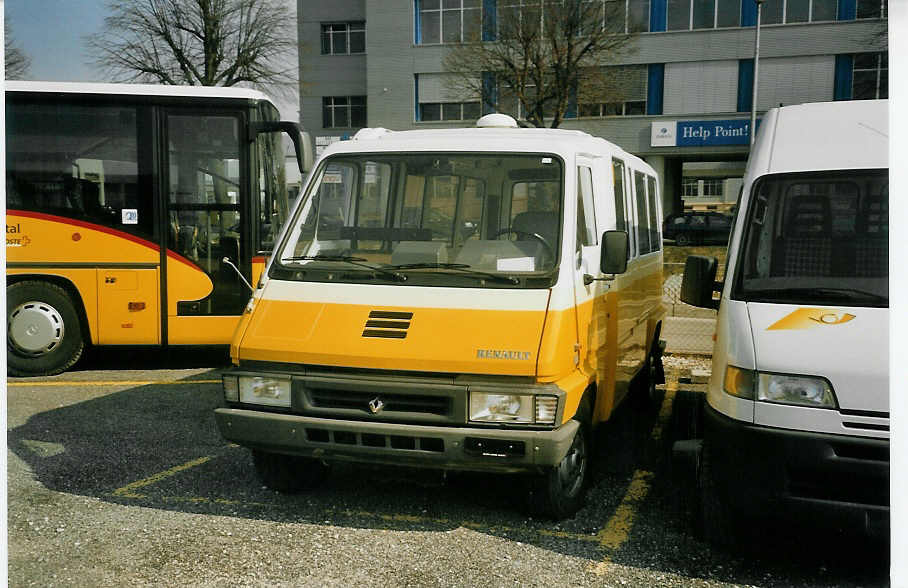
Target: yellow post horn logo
point(808, 318)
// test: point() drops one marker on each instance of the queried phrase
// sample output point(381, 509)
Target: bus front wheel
point(43, 331)
point(559, 493)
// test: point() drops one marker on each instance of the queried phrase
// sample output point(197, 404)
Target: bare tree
point(197, 42)
point(16, 62)
point(546, 54)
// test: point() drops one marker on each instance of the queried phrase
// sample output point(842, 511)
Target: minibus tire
point(644, 385)
point(54, 304)
point(288, 474)
point(554, 495)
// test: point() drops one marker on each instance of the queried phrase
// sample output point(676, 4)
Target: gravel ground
point(132, 485)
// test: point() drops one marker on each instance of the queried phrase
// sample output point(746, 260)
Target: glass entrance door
point(204, 208)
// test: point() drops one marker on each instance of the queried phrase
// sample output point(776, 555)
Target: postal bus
point(472, 299)
point(123, 202)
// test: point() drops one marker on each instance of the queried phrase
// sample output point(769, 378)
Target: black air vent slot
point(387, 324)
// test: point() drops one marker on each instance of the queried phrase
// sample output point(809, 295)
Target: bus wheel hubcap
point(35, 328)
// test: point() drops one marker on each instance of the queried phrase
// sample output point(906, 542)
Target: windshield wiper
point(460, 267)
point(852, 294)
point(388, 272)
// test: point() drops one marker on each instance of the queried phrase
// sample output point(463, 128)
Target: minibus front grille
point(390, 403)
point(384, 324)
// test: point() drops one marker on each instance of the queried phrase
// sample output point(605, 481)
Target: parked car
point(697, 228)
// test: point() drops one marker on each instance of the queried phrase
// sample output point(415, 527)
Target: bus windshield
point(456, 215)
point(818, 238)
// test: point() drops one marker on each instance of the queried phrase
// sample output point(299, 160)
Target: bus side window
point(618, 185)
point(642, 228)
point(655, 219)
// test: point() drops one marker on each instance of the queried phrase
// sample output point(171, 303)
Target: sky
point(52, 34)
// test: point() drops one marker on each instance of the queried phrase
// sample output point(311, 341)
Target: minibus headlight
point(798, 390)
point(739, 382)
point(513, 408)
point(231, 389)
point(269, 391)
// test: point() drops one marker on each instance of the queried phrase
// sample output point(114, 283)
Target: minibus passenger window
point(643, 244)
point(654, 220)
point(618, 171)
point(586, 216)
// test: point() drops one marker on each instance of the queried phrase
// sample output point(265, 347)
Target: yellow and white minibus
point(122, 202)
point(473, 299)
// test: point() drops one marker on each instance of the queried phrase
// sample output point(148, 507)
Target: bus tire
point(288, 474)
point(646, 380)
point(44, 333)
point(559, 492)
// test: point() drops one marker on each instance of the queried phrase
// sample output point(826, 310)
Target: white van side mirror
point(699, 281)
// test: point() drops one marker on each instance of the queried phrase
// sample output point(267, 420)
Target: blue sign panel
point(702, 133)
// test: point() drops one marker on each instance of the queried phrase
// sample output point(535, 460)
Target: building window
point(690, 188)
point(703, 14)
point(713, 187)
point(791, 11)
point(442, 111)
point(343, 38)
point(871, 9)
point(621, 16)
point(624, 87)
point(343, 112)
point(449, 21)
point(870, 79)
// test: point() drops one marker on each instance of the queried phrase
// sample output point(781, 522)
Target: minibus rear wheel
point(43, 330)
point(288, 474)
point(559, 493)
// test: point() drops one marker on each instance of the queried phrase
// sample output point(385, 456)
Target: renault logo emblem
point(376, 405)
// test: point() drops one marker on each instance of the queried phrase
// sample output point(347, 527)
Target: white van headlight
point(513, 408)
point(267, 390)
point(798, 390)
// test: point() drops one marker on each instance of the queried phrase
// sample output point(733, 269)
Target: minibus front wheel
point(559, 492)
point(288, 474)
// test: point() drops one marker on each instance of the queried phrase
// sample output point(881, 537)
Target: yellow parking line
point(128, 490)
point(618, 528)
point(110, 383)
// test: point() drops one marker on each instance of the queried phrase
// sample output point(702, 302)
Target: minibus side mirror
point(699, 281)
point(615, 246)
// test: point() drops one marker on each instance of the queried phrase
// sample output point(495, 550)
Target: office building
point(687, 85)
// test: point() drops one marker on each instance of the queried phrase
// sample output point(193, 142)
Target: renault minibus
point(462, 299)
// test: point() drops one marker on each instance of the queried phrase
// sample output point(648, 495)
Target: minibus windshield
point(817, 238)
point(459, 219)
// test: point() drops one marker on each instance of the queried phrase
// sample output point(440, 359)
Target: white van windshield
point(817, 238)
point(428, 218)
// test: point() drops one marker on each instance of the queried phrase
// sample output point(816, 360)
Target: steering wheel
point(545, 243)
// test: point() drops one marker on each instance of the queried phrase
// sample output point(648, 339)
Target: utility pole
point(753, 100)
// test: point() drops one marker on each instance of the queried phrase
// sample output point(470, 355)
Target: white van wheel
point(715, 515)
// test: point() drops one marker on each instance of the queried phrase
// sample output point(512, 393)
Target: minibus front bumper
point(444, 447)
point(832, 478)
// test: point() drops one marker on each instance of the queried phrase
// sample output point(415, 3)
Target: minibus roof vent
point(368, 134)
point(496, 120)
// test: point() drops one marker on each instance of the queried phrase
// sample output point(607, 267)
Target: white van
point(472, 299)
point(797, 408)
